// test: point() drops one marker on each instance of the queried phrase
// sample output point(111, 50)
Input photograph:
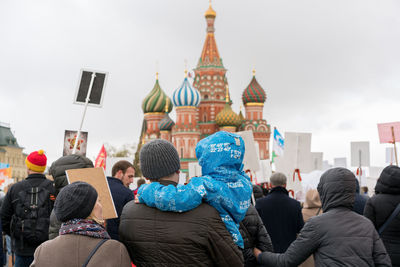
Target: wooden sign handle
point(394, 145)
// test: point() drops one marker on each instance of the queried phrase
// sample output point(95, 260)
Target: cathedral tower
point(210, 80)
point(186, 132)
point(153, 107)
point(253, 99)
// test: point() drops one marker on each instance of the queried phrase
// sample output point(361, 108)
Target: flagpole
point(394, 145)
point(84, 112)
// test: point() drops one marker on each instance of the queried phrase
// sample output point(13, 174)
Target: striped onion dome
point(155, 101)
point(186, 95)
point(227, 117)
point(166, 123)
point(254, 93)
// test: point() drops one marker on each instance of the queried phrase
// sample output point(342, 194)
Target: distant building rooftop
point(6, 136)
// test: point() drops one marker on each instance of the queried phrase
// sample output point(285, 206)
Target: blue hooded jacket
point(224, 185)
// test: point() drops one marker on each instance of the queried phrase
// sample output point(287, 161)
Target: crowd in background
point(211, 221)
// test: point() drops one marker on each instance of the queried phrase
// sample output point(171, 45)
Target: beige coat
point(311, 208)
point(72, 251)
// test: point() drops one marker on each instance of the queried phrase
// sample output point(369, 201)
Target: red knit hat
point(36, 161)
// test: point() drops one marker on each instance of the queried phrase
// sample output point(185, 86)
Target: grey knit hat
point(158, 158)
point(75, 201)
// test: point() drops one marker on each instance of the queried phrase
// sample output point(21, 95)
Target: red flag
point(101, 158)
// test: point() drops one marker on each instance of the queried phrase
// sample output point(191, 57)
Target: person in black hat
point(79, 209)
point(380, 207)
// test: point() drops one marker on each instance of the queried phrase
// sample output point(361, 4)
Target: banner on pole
point(385, 132)
point(97, 93)
point(278, 145)
point(69, 142)
point(101, 158)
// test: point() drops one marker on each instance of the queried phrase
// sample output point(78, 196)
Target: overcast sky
point(331, 68)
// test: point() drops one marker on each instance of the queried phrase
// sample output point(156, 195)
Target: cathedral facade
point(203, 106)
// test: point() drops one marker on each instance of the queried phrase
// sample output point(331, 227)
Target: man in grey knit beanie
point(159, 159)
point(197, 237)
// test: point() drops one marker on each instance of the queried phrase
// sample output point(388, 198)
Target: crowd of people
point(211, 221)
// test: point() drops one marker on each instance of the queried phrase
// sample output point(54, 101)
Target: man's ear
point(119, 174)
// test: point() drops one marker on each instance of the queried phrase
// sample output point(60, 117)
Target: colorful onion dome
point(166, 123)
point(254, 93)
point(186, 95)
point(210, 12)
point(155, 101)
point(227, 117)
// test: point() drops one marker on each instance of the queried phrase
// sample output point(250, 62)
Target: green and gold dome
point(227, 117)
point(156, 100)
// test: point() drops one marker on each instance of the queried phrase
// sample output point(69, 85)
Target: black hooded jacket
point(58, 168)
point(381, 206)
point(339, 236)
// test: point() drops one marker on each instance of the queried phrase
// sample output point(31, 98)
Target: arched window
point(205, 96)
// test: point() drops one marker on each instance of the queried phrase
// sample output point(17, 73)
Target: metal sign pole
point(84, 112)
point(394, 145)
point(359, 164)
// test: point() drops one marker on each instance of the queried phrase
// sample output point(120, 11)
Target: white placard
point(326, 165)
point(390, 155)
point(182, 178)
point(316, 160)
point(340, 162)
point(297, 151)
point(375, 172)
point(194, 169)
point(263, 175)
point(251, 159)
point(360, 154)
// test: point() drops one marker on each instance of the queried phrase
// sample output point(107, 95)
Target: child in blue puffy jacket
point(224, 185)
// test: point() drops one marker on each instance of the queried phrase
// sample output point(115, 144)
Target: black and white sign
point(96, 95)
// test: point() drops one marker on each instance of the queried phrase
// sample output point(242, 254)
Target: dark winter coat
point(257, 192)
point(23, 248)
point(360, 200)
point(193, 238)
point(254, 235)
point(380, 206)
point(58, 168)
point(121, 195)
point(339, 236)
point(281, 216)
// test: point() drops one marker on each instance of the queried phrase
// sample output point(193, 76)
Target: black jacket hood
point(337, 188)
point(389, 181)
point(58, 168)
